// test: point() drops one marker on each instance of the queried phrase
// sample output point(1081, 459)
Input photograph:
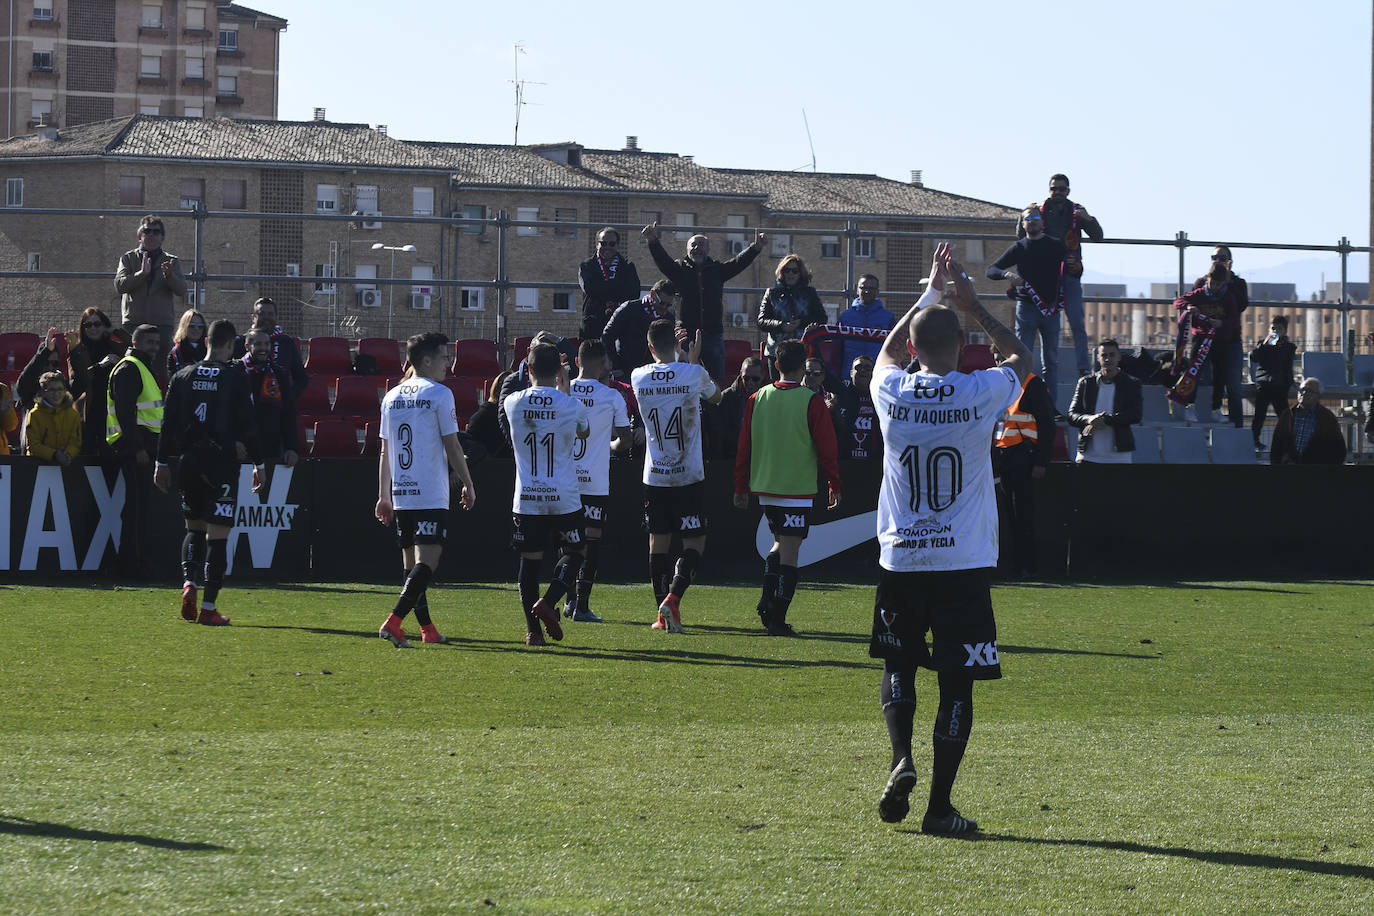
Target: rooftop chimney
point(631, 143)
point(690, 160)
point(381, 129)
point(916, 178)
point(319, 115)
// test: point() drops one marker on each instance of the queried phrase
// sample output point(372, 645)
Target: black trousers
point(1267, 396)
point(138, 494)
point(1016, 504)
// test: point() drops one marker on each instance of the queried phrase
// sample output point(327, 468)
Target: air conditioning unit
point(418, 301)
point(369, 298)
point(293, 270)
point(739, 319)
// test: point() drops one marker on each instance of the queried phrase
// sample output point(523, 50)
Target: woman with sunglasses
point(87, 349)
point(791, 305)
point(188, 343)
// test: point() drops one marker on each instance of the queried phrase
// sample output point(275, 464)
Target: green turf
point(1194, 748)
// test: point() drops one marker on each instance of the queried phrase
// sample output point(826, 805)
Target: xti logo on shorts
point(594, 513)
point(573, 537)
point(983, 653)
point(691, 523)
point(793, 521)
point(224, 510)
point(427, 529)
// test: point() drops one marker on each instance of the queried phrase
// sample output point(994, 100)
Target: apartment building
point(321, 215)
point(72, 62)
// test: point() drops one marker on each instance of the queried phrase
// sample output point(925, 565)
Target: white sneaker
point(1190, 413)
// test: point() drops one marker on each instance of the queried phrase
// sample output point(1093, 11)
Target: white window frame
point(479, 211)
point(150, 66)
point(40, 107)
point(195, 16)
point(150, 109)
point(527, 299)
point(565, 215)
point(366, 199)
point(781, 245)
point(973, 251)
point(421, 201)
point(228, 37)
point(188, 203)
point(326, 198)
point(863, 247)
point(365, 272)
point(568, 306)
point(472, 299)
point(43, 11)
point(226, 85)
point(195, 68)
point(14, 192)
point(684, 219)
point(422, 272)
point(735, 242)
point(527, 213)
point(152, 16)
point(832, 242)
point(193, 111)
point(43, 60)
point(324, 272)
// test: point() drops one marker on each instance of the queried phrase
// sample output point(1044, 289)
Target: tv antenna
point(808, 143)
point(520, 89)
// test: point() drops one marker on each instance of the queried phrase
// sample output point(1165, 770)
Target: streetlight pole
point(391, 287)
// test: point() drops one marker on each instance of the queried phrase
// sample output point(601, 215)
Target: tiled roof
point(476, 165)
point(237, 11)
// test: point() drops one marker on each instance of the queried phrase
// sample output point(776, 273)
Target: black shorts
point(955, 606)
point(596, 510)
point(676, 510)
point(209, 486)
point(529, 533)
point(421, 526)
point(788, 521)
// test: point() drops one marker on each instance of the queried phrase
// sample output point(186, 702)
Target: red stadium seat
point(18, 347)
point(356, 396)
point(476, 356)
point(372, 440)
point(520, 349)
point(385, 351)
point(314, 401)
point(467, 394)
point(10, 376)
point(328, 356)
point(735, 352)
point(976, 356)
point(335, 439)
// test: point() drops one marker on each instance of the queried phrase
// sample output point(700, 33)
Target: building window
point(192, 193)
point(228, 38)
point(422, 201)
point(565, 215)
point(863, 247)
point(235, 194)
point(152, 15)
point(735, 242)
point(42, 111)
point(43, 10)
point(973, 251)
point(830, 246)
point(14, 192)
point(322, 271)
point(685, 219)
point(421, 272)
point(472, 299)
point(474, 211)
point(195, 68)
point(526, 299)
point(781, 245)
point(194, 111)
point(523, 214)
point(35, 261)
point(326, 198)
point(233, 270)
point(42, 61)
point(226, 86)
point(195, 17)
point(131, 190)
point(150, 66)
point(562, 302)
point(365, 200)
point(150, 109)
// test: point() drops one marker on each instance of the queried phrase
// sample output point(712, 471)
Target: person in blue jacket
point(867, 311)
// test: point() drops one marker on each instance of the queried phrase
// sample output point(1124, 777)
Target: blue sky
point(1230, 120)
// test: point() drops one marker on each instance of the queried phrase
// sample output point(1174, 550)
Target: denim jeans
point(1073, 310)
point(1030, 322)
point(713, 354)
point(1227, 359)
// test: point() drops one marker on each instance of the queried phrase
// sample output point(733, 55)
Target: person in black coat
point(627, 333)
point(1271, 367)
point(1126, 405)
point(790, 305)
point(606, 280)
point(484, 425)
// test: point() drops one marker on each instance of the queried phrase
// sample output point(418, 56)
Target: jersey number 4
point(672, 431)
point(944, 476)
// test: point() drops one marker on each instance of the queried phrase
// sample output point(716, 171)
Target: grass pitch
point(1179, 748)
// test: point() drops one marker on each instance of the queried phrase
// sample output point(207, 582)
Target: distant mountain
point(1309, 275)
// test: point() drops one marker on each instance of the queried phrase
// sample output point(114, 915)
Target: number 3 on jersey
point(944, 470)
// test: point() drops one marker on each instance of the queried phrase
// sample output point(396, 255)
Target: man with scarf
point(274, 406)
point(146, 280)
point(1206, 315)
point(1227, 355)
point(626, 334)
point(283, 352)
point(1035, 266)
point(867, 311)
point(606, 279)
point(1067, 221)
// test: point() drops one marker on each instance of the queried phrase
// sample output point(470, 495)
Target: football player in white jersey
point(420, 461)
point(545, 423)
point(670, 394)
point(609, 417)
point(937, 531)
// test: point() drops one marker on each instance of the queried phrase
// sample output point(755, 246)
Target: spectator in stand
point(188, 342)
point(147, 279)
point(45, 359)
point(484, 425)
point(94, 402)
point(1035, 267)
point(606, 279)
point(285, 353)
point(1066, 222)
point(520, 378)
point(790, 305)
point(701, 279)
point(1209, 323)
point(9, 418)
point(1022, 450)
point(1308, 433)
point(274, 407)
point(818, 378)
point(1271, 366)
point(867, 311)
point(53, 431)
point(725, 418)
point(133, 421)
point(626, 333)
point(1227, 359)
point(1110, 400)
point(857, 431)
point(86, 347)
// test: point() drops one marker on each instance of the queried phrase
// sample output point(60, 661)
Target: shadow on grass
point(1216, 857)
point(1149, 583)
point(672, 654)
point(22, 826)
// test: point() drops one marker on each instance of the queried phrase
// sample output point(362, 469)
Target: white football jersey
point(416, 415)
point(544, 425)
point(669, 396)
point(936, 507)
point(605, 411)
